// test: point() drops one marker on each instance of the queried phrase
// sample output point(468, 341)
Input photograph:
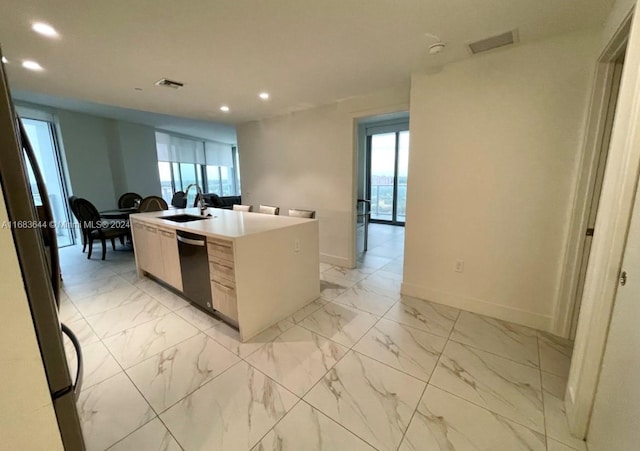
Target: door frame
point(614, 75)
point(60, 163)
point(595, 130)
point(360, 120)
point(616, 205)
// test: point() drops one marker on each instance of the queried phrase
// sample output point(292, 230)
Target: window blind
point(179, 150)
point(218, 154)
point(183, 150)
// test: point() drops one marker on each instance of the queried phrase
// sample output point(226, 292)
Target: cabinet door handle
point(192, 242)
point(221, 265)
point(223, 285)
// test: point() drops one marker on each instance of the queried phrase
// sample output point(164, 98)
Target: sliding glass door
point(388, 158)
point(42, 138)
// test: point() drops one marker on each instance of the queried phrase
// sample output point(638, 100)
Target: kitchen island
point(250, 269)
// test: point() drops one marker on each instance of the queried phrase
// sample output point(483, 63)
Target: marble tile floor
point(360, 368)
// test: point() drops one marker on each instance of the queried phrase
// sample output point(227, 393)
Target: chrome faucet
point(200, 199)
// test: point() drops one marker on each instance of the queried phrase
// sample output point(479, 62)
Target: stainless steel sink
point(184, 218)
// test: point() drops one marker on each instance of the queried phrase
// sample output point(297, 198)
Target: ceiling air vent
point(494, 42)
point(169, 83)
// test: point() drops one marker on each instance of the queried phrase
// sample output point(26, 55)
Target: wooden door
point(614, 424)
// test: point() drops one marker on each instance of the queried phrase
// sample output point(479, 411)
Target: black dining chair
point(74, 210)
point(152, 203)
point(178, 200)
point(95, 228)
point(128, 200)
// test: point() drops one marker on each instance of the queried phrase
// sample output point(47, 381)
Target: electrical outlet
point(296, 245)
point(459, 266)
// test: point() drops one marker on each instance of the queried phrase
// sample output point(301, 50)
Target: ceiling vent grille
point(484, 45)
point(165, 83)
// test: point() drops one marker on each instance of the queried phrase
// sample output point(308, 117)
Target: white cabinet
point(222, 272)
point(148, 249)
point(170, 258)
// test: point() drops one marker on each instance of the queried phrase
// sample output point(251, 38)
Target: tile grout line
point(429, 381)
point(301, 398)
point(494, 354)
point(349, 349)
point(124, 370)
point(485, 407)
point(544, 414)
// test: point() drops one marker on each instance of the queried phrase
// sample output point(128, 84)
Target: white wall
point(306, 160)
point(495, 143)
point(27, 418)
point(88, 142)
point(137, 145)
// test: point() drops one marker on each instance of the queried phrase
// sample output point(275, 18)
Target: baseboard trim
point(335, 260)
point(523, 317)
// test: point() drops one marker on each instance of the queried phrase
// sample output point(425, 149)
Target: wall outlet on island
point(459, 266)
point(296, 245)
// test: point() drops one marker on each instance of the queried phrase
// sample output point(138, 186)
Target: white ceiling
point(303, 52)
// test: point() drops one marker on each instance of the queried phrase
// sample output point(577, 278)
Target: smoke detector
point(166, 83)
point(493, 42)
point(436, 48)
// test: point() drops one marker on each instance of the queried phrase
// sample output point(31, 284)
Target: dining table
point(118, 213)
point(119, 218)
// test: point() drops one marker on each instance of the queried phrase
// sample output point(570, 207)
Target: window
point(183, 161)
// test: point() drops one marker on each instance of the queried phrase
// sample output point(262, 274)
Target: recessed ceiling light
point(31, 65)
point(224, 108)
point(4, 60)
point(264, 95)
point(45, 29)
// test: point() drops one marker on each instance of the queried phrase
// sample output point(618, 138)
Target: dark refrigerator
point(39, 266)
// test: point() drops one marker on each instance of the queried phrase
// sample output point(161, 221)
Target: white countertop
point(222, 223)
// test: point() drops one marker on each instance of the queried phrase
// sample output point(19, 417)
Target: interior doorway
point(595, 189)
point(615, 209)
point(383, 164)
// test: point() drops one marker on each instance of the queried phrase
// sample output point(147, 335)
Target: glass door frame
point(396, 128)
point(60, 168)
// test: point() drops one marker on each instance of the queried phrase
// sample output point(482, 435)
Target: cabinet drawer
point(224, 300)
point(222, 268)
point(219, 242)
point(151, 229)
point(225, 286)
point(215, 249)
point(167, 233)
point(222, 280)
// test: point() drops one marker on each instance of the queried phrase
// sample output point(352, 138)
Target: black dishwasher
point(194, 264)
